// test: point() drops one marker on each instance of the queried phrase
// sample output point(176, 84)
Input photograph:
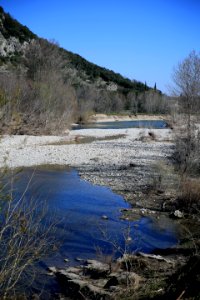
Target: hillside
point(11, 28)
point(55, 83)
point(94, 72)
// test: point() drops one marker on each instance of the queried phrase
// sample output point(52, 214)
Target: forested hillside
point(44, 87)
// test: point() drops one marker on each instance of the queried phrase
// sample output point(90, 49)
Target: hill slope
point(51, 84)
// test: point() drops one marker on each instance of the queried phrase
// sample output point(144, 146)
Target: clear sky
point(141, 39)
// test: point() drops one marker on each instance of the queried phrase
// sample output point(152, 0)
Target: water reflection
point(78, 207)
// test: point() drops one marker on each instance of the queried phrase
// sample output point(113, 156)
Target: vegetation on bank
point(57, 87)
point(187, 130)
point(45, 87)
point(27, 234)
point(184, 284)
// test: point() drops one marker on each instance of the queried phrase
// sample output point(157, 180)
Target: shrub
point(25, 236)
point(187, 151)
point(189, 197)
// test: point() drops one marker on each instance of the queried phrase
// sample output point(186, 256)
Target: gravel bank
point(136, 145)
point(129, 161)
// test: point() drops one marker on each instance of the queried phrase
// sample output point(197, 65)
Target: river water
point(157, 124)
point(87, 221)
point(88, 216)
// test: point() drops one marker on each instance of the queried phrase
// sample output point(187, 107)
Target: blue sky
point(141, 39)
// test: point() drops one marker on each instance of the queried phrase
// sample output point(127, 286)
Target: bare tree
point(132, 102)
point(25, 236)
point(155, 102)
point(85, 101)
point(54, 99)
point(42, 57)
point(37, 98)
point(186, 77)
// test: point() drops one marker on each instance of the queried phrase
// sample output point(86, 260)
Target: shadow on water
point(157, 124)
point(79, 206)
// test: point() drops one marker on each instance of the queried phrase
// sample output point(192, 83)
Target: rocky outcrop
point(95, 280)
point(11, 46)
point(76, 284)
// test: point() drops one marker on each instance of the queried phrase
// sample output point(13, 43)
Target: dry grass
point(189, 198)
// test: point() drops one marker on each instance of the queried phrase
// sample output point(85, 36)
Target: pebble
point(39, 149)
point(79, 259)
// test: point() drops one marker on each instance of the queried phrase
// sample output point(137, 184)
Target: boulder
point(123, 278)
point(77, 286)
point(96, 269)
point(94, 280)
point(104, 217)
point(178, 214)
point(64, 276)
point(52, 269)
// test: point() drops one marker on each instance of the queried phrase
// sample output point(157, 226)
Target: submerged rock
point(104, 217)
point(79, 259)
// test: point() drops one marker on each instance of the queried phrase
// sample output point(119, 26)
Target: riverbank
point(107, 147)
point(129, 161)
point(135, 163)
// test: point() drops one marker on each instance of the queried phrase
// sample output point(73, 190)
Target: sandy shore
point(118, 146)
point(110, 118)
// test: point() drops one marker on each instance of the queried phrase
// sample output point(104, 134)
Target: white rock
point(178, 214)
